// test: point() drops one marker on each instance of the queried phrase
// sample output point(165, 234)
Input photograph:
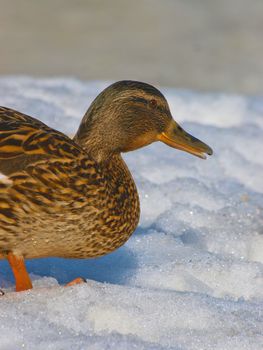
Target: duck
point(75, 197)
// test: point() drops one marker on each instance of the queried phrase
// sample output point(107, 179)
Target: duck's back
point(25, 140)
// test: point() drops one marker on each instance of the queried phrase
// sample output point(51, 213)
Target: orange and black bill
point(176, 137)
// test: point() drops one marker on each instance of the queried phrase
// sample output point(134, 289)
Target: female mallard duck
point(76, 198)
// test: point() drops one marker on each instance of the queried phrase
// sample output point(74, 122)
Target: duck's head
point(128, 115)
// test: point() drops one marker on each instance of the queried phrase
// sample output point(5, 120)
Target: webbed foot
point(77, 280)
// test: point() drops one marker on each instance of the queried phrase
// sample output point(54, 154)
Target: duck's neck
point(95, 146)
point(120, 184)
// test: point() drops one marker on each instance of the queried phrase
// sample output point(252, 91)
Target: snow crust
point(191, 277)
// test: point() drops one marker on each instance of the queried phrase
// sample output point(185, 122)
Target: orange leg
point(22, 278)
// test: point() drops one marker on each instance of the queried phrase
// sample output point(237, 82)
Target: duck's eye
point(153, 103)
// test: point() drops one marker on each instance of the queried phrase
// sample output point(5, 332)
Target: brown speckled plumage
point(65, 195)
point(76, 198)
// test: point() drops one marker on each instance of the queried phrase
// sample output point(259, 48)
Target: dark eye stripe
point(139, 99)
point(161, 109)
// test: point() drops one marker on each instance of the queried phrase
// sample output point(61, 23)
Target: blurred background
point(214, 45)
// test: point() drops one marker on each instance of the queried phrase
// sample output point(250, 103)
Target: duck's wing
point(25, 140)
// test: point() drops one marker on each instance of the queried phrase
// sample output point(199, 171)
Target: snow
point(191, 277)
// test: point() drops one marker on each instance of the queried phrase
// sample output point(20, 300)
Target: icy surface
point(191, 277)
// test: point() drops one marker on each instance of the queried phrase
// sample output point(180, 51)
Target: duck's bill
point(177, 138)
